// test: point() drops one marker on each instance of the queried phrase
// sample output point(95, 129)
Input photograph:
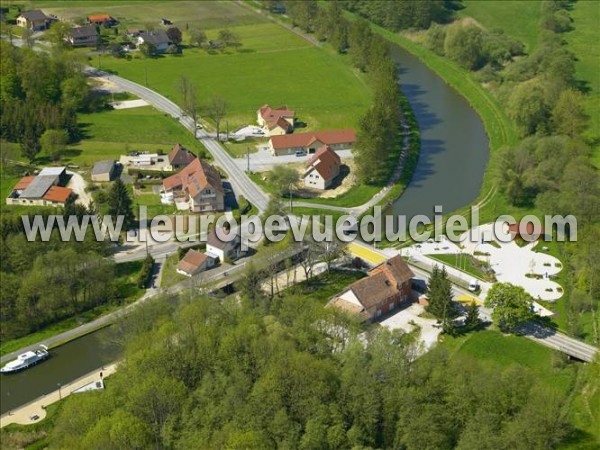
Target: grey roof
point(54, 171)
point(85, 31)
point(215, 241)
point(102, 167)
point(34, 14)
point(39, 186)
point(155, 37)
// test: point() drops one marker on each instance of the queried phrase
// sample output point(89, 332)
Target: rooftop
point(191, 261)
point(328, 137)
point(34, 14)
point(102, 167)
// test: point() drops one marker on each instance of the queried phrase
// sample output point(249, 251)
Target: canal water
point(66, 363)
point(454, 154)
point(454, 146)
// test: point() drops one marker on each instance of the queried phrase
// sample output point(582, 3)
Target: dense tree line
point(39, 92)
point(292, 374)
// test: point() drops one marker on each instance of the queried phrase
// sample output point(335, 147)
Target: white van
point(473, 285)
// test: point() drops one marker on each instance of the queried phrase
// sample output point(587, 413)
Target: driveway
point(78, 184)
point(263, 160)
point(408, 319)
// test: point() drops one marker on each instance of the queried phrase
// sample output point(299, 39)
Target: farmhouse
point(276, 121)
point(289, 144)
point(158, 39)
point(103, 170)
point(34, 19)
point(322, 168)
point(45, 189)
point(387, 286)
point(197, 188)
point(86, 36)
point(102, 20)
point(223, 249)
point(194, 262)
point(178, 158)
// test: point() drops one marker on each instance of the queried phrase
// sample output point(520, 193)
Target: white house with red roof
point(44, 189)
point(197, 188)
point(276, 121)
point(322, 168)
point(288, 144)
point(194, 262)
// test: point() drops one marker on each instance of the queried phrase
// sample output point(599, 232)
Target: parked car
point(473, 285)
point(300, 153)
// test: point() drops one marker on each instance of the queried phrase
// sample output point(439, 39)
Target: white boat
point(25, 360)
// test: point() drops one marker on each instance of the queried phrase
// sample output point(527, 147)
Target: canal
point(66, 363)
point(454, 154)
point(454, 146)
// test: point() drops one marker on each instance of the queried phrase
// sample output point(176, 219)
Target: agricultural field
point(517, 18)
point(272, 66)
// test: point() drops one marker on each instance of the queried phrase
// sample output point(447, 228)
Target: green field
point(273, 66)
point(109, 134)
point(583, 41)
point(204, 15)
point(518, 19)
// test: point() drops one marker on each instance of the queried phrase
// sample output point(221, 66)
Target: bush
point(146, 273)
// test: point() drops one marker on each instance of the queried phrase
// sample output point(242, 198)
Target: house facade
point(289, 144)
point(223, 249)
point(386, 287)
point(34, 20)
point(158, 39)
point(276, 121)
point(86, 36)
point(322, 169)
point(197, 188)
point(194, 262)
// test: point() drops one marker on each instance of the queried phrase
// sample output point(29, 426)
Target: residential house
point(178, 158)
point(44, 189)
point(385, 287)
point(221, 250)
point(102, 20)
point(322, 168)
point(34, 20)
point(86, 36)
point(103, 171)
point(288, 144)
point(194, 262)
point(276, 121)
point(197, 188)
point(158, 39)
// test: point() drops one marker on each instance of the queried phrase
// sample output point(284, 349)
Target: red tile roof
point(268, 113)
point(530, 230)
point(328, 137)
point(99, 18)
point(194, 178)
point(281, 122)
point(57, 194)
point(192, 261)
point(326, 162)
point(180, 156)
point(23, 183)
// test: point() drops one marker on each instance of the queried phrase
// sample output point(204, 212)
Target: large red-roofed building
point(289, 144)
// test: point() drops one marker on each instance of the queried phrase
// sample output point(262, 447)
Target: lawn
point(169, 276)
point(583, 41)
point(322, 287)
point(518, 19)
point(272, 66)
point(109, 134)
point(204, 15)
point(465, 263)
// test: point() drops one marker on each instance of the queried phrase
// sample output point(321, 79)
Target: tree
point(197, 37)
point(229, 38)
point(54, 143)
point(147, 49)
point(440, 296)
point(174, 35)
point(464, 45)
point(30, 145)
point(75, 93)
point(216, 109)
point(189, 96)
point(569, 116)
point(58, 33)
point(527, 107)
point(472, 320)
point(284, 179)
point(120, 203)
point(511, 304)
point(27, 37)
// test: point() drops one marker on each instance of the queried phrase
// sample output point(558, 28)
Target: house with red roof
point(178, 158)
point(386, 287)
point(322, 168)
point(276, 121)
point(194, 262)
point(102, 20)
point(197, 188)
point(43, 189)
point(288, 144)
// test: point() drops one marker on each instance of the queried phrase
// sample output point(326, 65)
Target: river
point(454, 154)
point(454, 146)
point(66, 363)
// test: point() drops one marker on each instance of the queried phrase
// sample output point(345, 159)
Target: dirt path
point(78, 184)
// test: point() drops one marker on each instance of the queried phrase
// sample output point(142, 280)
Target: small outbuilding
point(103, 171)
point(194, 262)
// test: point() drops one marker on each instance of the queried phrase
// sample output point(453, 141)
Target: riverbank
point(26, 414)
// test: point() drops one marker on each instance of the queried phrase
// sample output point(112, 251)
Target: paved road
point(241, 183)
